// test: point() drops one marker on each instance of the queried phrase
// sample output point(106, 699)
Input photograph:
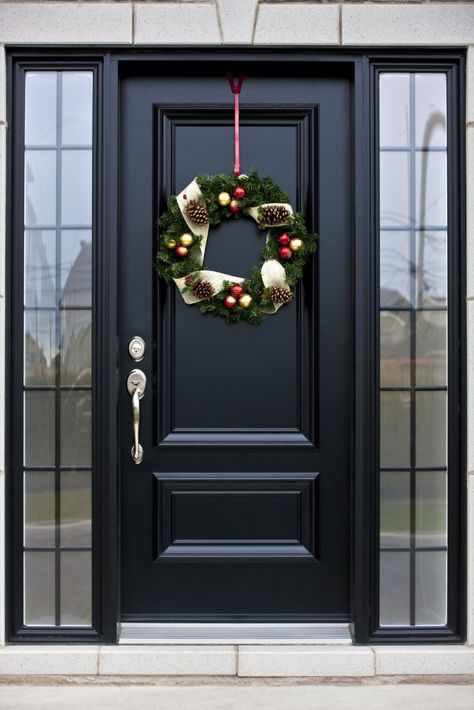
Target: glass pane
point(76, 348)
point(39, 429)
point(394, 189)
point(430, 110)
point(431, 189)
point(395, 361)
point(431, 428)
point(431, 268)
point(40, 267)
point(39, 509)
point(394, 110)
point(76, 589)
point(76, 428)
point(394, 588)
point(76, 267)
point(431, 499)
point(39, 588)
point(395, 269)
point(40, 347)
point(395, 509)
point(431, 348)
point(40, 108)
point(40, 188)
point(58, 345)
point(77, 108)
point(430, 588)
point(76, 508)
point(76, 187)
point(394, 429)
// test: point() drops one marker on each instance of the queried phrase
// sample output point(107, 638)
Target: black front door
point(241, 508)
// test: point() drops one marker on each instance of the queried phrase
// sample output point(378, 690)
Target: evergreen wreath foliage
point(258, 191)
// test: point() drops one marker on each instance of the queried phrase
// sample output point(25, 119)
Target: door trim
point(110, 61)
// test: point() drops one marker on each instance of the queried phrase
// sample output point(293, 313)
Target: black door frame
point(108, 63)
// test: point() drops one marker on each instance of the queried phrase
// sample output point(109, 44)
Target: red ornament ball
point(237, 291)
point(234, 207)
point(239, 193)
point(283, 239)
point(285, 253)
point(181, 251)
point(230, 302)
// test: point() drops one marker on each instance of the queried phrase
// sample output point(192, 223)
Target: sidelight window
point(57, 352)
point(413, 336)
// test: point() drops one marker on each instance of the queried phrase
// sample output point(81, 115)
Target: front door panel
point(241, 506)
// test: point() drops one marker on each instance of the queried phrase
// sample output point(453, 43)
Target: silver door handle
point(136, 386)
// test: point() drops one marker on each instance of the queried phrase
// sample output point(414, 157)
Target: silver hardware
point(136, 386)
point(136, 348)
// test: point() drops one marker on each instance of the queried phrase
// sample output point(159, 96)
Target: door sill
point(328, 634)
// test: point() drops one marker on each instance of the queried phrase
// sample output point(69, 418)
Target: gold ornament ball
point(171, 244)
point(224, 199)
point(245, 301)
point(296, 244)
point(186, 240)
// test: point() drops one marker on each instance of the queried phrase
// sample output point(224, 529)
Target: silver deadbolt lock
point(136, 348)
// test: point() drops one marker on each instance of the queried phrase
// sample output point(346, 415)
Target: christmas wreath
point(204, 203)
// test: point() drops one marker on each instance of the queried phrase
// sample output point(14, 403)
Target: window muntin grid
point(57, 475)
point(413, 352)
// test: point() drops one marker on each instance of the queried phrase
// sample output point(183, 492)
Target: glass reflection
point(58, 348)
point(431, 268)
point(40, 267)
point(394, 118)
point(76, 428)
point(76, 268)
point(76, 588)
point(394, 588)
point(39, 588)
point(413, 348)
point(394, 429)
point(395, 509)
point(430, 110)
point(431, 337)
point(76, 125)
point(39, 508)
point(40, 347)
point(430, 588)
point(431, 509)
point(395, 360)
point(431, 189)
point(76, 508)
point(40, 108)
point(39, 429)
point(430, 449)
point(394, 189)
point(76, 348)
point(76, 187)
point(395, 269)
point(40, 188)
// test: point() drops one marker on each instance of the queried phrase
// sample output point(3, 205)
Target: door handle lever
point(136, 386)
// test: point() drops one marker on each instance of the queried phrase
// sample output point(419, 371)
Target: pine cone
point(197, 212)
point(280, 294)
point(188, 280)
point(203, 289)
point(273, 215)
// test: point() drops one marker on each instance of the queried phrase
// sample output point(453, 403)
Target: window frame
point(454, 630)
point(107, 63)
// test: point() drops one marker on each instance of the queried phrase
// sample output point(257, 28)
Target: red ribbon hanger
point(236, 87)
